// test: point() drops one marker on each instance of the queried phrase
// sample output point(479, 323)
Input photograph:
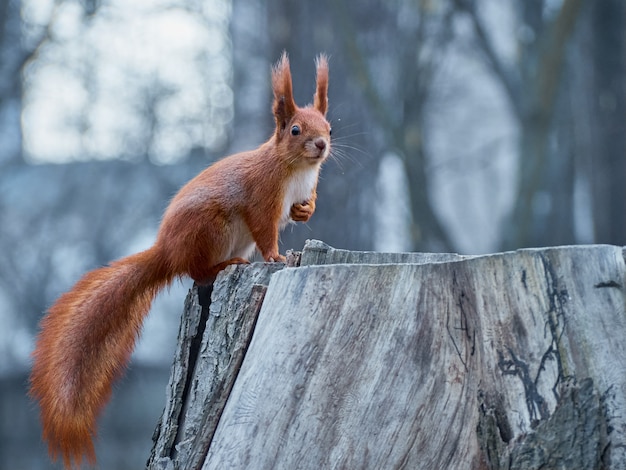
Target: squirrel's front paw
point(276, 259)
point(301, 212)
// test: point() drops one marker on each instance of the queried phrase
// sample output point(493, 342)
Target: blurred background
point(470, 126)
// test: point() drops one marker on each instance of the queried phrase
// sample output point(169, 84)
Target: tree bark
point(515, 360)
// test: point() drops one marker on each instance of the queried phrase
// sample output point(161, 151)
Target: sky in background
point(92, 91)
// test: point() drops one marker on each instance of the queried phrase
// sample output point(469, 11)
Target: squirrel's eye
point(330, 131)
point(295, 130)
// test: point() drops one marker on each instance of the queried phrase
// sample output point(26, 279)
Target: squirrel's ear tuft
point(284, 105)
point(320, 100)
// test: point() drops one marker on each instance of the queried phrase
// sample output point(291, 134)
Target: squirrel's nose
point(320, 143)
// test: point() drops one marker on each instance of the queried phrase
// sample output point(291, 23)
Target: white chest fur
point(299, 189)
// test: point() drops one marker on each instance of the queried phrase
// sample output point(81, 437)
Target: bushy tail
point(85, 344)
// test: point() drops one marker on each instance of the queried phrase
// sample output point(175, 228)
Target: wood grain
point(514, 360)
point(382, 366)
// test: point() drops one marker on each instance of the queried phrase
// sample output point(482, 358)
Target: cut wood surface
point(515, 360)
point(316, 252)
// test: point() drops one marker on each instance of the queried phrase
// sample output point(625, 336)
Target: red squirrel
point(215, 220)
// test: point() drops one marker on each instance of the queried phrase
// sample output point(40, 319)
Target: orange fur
point(216, 219)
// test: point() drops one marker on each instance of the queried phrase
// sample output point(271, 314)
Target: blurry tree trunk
point(403, 360)
point(609, 121)
point(12, 60)
point(251, 75)
point(553, 204)
point(542, 66)
point(558, 228)
point(532, 86)
point(412, 65)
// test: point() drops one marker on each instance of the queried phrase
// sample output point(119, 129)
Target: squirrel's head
point(302, 134)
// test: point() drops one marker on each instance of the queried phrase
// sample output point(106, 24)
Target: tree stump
point(403, 360)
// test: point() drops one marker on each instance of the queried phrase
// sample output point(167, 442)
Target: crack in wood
point(463, 303)
point(555, 325)
point(204, 299)
point(606, 284)
point(575, 436)
point(210, 421)
point(491, 403)
point(535, 403)
point(456, 347)
point(556, 321)
point(493, 430)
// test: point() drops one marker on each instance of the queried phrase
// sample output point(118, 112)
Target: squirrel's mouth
point(318, 149)
point(314, 157)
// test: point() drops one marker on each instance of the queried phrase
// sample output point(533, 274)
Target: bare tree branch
point(403, 119)
point(507, 75)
